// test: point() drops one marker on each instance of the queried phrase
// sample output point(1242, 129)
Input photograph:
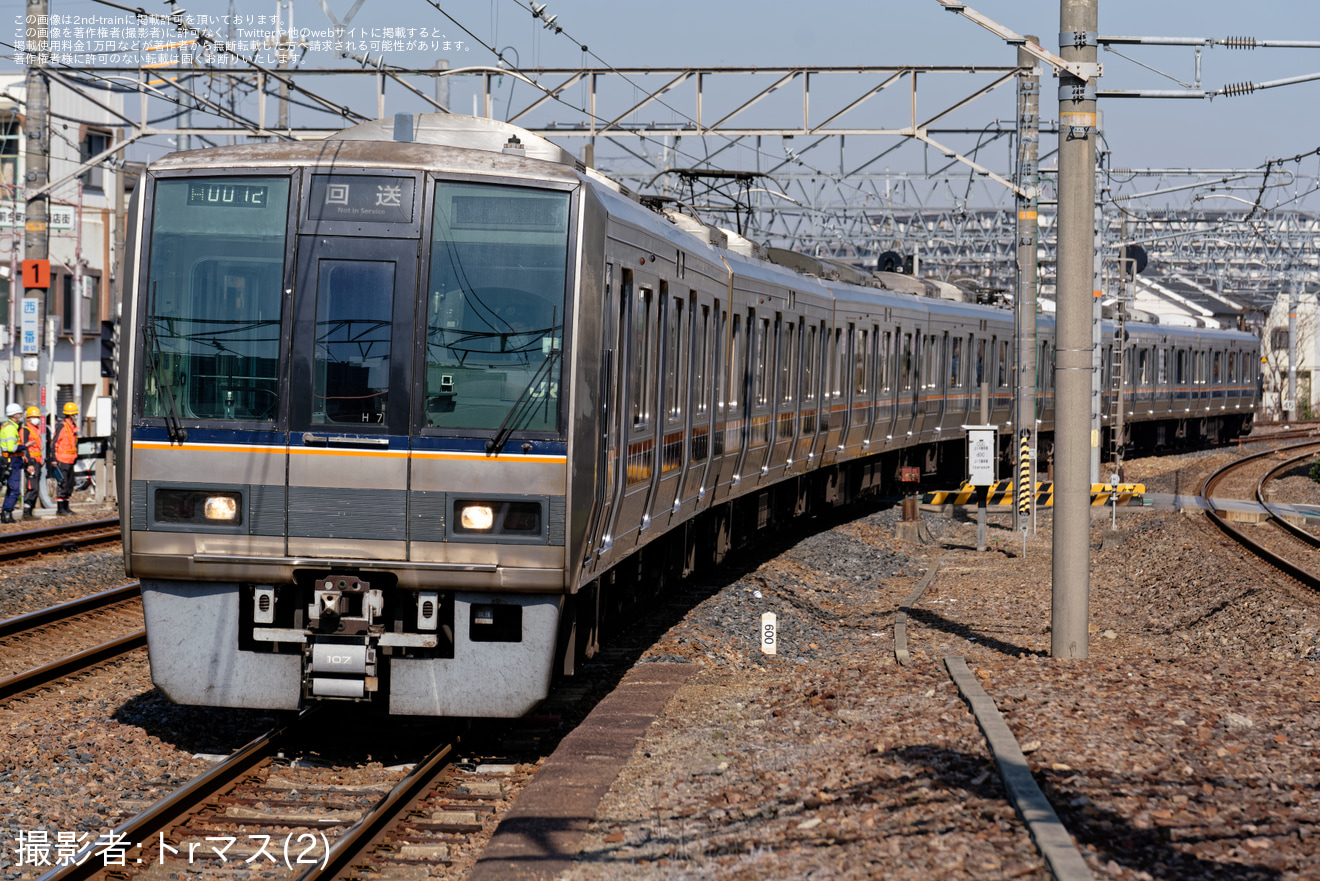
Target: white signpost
point(982, 469)
point(31, 325)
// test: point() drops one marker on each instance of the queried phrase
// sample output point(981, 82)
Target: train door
point(618, 304)
point(640, 418)
point(886, 409)
point(785, 395)
point(671, 422)
point(860, 387)
point(807, 394)
point(348, 439)
point(833, 397)
point(955, 394)
point(929, 394)
point(701, 396)
point(608, 464)
point(817, 386)
point(761, 345)
point(728, 440)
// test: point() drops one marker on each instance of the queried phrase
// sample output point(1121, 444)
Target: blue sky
point(1228, 132)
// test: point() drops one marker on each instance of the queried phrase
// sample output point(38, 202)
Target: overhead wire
point(560, 30)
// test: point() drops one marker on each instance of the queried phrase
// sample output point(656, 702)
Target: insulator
point(1240, 42)
point(1235, 89)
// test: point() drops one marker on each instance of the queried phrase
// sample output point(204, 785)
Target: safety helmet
point(34, 412)
point(13, 409)
point(70, 409)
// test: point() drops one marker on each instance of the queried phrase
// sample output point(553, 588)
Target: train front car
point(347, 452)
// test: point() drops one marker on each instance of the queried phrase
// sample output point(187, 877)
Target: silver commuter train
point(409, 413)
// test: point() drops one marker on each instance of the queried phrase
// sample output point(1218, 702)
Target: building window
point(89, 305)
point(94, 143)
point(9, 141)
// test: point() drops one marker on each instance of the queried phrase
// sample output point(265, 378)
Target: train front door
point(352, 359)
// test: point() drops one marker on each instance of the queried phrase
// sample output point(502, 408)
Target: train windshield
point(495, 307)
point(214, 298)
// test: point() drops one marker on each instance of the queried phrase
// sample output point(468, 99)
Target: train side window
point(944, 357)
point(860, 339)
point(789, 366)
point(840, 356)
point(1003, 363)
point(809, 363)
point(980, 363)
point(886, 352)
point(1232, 367)
point(1180, 367)
point(762, 373)
point(1215, 376)
point(1143, 366)
point(907, 362)
point(873, 367)
point(1162, 367)
point(955, 364)
point(700, 356)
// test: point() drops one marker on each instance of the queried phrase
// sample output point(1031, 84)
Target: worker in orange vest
point(66, 455)
point(33, 437)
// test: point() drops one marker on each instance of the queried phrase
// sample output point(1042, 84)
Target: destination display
point(365, 198)
point(222, 195)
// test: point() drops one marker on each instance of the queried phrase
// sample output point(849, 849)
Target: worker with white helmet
point(14, 454)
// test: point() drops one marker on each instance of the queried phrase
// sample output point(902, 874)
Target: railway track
point(60, 634)
point(309, 821)
point(1258, 545)
point(63, 537)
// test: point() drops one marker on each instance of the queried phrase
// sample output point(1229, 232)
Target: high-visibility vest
point(33, 439)
point(66, 441)
point(9, 437)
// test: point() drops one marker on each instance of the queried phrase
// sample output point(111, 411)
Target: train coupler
point(337, 667)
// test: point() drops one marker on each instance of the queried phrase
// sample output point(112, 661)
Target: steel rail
point(1281, 563)
point(42, 617)
point(66, 537)
point(64, 528)
point(154, 820)
point(368, 831)
point(47, 673)
point(1287, 526)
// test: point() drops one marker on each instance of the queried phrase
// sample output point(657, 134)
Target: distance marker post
point(1024, 486)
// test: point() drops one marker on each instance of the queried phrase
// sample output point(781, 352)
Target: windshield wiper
point(173, 424)
point(496, 444)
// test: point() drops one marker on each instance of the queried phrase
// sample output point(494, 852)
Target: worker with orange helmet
point(33, 438)
point(66, 456)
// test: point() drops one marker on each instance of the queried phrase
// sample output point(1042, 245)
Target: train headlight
point(488, 519)
point(221, 508)
point(478, 517)
point(182, 508)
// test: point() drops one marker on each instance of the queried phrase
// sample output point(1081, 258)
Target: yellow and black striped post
point(1025, 483)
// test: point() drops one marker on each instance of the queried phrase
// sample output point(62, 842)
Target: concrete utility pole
point(36, 238)
point(1070, 601)
point(1291, 404)
point(1027, 232)
point(1097, 314)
